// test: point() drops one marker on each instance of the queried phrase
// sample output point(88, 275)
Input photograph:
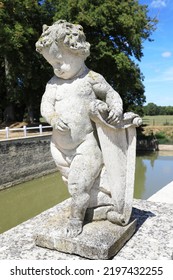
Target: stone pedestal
point(98, 240)
point(153, 239)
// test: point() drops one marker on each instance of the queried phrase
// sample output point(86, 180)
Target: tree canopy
point(115, 29)
point(151, 109)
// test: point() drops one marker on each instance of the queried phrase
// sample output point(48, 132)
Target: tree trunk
point(8, 77)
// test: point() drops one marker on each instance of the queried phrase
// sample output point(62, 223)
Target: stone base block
point(98, 240)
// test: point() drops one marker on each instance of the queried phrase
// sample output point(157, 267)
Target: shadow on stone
point(140, 216)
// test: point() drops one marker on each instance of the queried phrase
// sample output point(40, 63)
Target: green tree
point(169, 110)
point(161, 110)
point(116, 31)
point(22, 67)
point(151, 109)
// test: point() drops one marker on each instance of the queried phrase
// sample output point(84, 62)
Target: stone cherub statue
point(82, 108)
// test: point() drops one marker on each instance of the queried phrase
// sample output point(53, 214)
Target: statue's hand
point(60, 125)
point(99, 107)
point(114, 117)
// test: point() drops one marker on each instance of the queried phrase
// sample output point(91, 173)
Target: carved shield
point(118, 145)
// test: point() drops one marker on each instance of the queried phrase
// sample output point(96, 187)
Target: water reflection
point(24, 201)
point(20, 203)
point(153, 171)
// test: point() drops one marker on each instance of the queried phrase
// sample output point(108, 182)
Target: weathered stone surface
point(24, 159)
point(85, 152)
point(153, 239)
point(98, 240)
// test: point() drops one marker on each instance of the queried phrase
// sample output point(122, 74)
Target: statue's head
point(65, 34)
point(64, 46)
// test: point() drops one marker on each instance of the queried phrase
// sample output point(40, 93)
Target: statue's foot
point(74, 228)
point(116, 218)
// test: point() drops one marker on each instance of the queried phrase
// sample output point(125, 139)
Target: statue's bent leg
point(80, 181)
point(84, 170)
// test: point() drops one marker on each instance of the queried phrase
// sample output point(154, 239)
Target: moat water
point(24, 201)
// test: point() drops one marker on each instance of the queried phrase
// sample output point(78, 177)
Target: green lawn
point(158, 120)
point(160, 126)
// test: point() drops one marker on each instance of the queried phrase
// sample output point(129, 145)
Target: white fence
point(39, 129)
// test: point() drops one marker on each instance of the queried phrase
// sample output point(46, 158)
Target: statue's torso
point(72, 105)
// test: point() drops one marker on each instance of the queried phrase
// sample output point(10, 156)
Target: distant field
point(164, 120)
point(160, 126)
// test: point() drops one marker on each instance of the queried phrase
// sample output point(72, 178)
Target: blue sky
point(157, 62)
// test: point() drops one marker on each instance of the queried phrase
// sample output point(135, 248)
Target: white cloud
point(166, 54)
point(158, 3)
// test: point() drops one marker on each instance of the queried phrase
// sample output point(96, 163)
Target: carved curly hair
point(69, 35)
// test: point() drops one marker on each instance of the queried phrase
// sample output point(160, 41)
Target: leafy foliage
point(151, 109)
point(22, 66)
point(115, 29)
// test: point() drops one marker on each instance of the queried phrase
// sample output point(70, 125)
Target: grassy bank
point(160, 120)
point(159, 126)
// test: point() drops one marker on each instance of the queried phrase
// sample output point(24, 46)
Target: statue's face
point(66, 65)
